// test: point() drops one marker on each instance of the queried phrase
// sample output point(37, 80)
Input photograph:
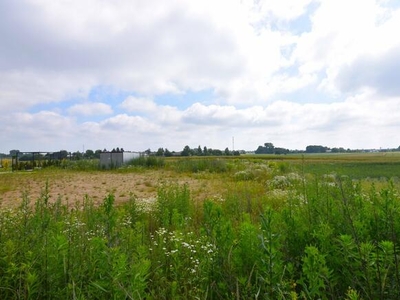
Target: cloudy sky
point(139, 74)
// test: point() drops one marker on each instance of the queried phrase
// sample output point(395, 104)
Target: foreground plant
point(326, 238)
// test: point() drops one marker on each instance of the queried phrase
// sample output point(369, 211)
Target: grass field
point(249, 227)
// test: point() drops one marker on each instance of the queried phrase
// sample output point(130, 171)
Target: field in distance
point(207, 177)
point(248, 227)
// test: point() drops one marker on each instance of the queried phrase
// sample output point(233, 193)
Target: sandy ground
point(71, 187)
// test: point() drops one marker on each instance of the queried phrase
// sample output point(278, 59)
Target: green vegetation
point(307, 227)
point(195, 165)
point(147, 161)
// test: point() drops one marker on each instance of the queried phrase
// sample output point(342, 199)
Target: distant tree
point(278, 150)
point(89, 154)
point(260, 150)
point(186, 151)
point(160, 152)
point(199, 151)
point(63, 154)
point(268, 148)
point(77, 155)
point(147, 152)
point(205, 151)
point(316, 149)
point(227, 152)
point(216, 152)
point(97, 153)
point(167, 153)
point(338, 150)
point(14, 152)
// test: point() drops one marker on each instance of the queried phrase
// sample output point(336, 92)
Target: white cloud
point(284, 10)
point(359, 120)
point(138, 104)
point(20, 89)
point(42, 131)
point(259, 66)
point(148, 48)
point(341, 34)
point(128, 123)
point(90, 109)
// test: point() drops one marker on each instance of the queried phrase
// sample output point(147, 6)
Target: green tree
point(167, 153)
point(316, 149)
point(63, 154)
point(160, 152)
point(14, 152)
point(89, 154)
point(216, 152)
point(77, 155)
point(278, 150)
point(205, 151)
point(199, 151)
point(268, 148)
point(186, 151)
point(97, 153)
point(227, 152)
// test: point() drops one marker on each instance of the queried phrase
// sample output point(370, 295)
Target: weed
point(274, 235)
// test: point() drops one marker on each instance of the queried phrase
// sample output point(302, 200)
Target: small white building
point(116, 159)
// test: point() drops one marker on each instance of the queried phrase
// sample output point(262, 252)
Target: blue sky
point(141, 75)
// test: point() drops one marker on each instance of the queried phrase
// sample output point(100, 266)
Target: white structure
point(116, 159)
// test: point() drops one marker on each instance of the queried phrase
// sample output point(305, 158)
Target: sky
point(146, 74)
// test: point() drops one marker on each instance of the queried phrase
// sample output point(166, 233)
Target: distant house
point(116, 159)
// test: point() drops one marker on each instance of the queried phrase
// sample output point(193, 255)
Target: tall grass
point(300, 237)
point(193, 165)
point(147, 162)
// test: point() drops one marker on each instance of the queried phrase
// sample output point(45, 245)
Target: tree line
point(269, 148)
point(199, 151)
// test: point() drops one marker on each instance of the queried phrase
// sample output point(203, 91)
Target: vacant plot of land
point(312, 227)
point(72, 186)
point(206, 177)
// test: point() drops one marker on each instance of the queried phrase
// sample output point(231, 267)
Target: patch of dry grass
point(72, 186)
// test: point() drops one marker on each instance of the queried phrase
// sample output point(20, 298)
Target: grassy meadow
point(249, 227)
